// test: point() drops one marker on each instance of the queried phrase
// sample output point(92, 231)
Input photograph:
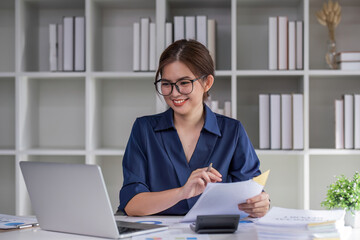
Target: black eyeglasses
point(183, 86)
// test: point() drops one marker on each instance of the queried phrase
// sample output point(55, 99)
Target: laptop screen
point(72, 198)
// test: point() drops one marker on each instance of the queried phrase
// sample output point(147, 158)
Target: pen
point(27, 225)
point(209, 167)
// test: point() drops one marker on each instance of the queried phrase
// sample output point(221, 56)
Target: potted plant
point(345, 194)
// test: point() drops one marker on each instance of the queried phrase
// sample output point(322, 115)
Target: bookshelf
point(86, 117)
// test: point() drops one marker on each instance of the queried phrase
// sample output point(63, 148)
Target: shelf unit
point(86, 117)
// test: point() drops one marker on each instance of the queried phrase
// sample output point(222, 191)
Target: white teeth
point(179, 101)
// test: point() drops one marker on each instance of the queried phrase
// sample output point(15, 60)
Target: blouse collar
point(167, 121)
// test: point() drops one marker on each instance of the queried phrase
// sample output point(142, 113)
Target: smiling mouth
point(179, 102)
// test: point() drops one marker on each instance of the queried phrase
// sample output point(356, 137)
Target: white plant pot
point(352, 220)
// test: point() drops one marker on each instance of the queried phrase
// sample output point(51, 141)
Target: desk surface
point(245, 231)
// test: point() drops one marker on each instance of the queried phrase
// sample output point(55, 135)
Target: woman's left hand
point(256, 206)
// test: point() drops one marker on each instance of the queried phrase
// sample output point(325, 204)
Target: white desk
point(247, 232)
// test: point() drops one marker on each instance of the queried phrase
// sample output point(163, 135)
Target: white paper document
point(11, 222)
point(172, 235)
point(164, 220)
point(300, 218)
point(223, 198)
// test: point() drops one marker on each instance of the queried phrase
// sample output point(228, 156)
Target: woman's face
point(180, 103)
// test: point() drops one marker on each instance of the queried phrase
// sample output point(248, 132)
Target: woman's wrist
point(181, 193)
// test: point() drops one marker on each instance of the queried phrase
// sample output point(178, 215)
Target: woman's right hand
point(198, 180)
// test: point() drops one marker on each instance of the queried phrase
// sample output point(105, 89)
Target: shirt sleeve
point(245, 163)
point(134, 167)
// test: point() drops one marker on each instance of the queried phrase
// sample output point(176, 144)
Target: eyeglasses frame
point(176, 86)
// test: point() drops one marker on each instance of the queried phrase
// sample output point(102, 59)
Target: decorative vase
point(352, 219)
point(330, 54)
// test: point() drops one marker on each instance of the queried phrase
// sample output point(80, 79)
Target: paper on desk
point(223, 198)
point(11, 222)
point(164, 220)
point(298, 217)
point(172, 235)
point(284, 223)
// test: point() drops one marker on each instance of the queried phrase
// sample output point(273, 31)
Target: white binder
point(79, 44)
point(68, 23)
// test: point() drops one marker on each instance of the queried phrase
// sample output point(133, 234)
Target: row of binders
point(285, 44)
point(199, 28)
point(281, 121)
point(184, 27)
point(67, 44)
point(215, 107)
point(347, 122)
point(348, 60)
point(144, 45)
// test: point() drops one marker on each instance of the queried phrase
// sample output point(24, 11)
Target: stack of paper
point(283, 223)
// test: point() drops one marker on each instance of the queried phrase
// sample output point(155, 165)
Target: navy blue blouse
point(154, 158)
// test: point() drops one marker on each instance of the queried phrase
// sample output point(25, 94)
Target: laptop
point(72, 198)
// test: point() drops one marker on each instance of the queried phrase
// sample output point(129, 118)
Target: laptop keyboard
point(127, 230)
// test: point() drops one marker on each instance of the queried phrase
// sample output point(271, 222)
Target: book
point(357, 121)
point(136, 46)
point(298, 121)
point(211, 37)
point(152, 47)
point(60, 44)
point(68, 23)
point(168, 34)
point(299, 45)
point(282, 43)
point(348, 121)
point(144, 43)
point(79, 41)
point(273, 43)
point(190, 27)
point(275, 121)
point(286, 122)
point(264, 121)
point(179, 28)
point(292, 45)
point(53, 47)
point(201, 30)
point(348, 56)
point(349, 65)
point(339, 124)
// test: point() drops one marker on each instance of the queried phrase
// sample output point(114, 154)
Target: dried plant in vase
point(330, 16)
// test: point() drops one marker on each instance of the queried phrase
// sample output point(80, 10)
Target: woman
point(166, 159)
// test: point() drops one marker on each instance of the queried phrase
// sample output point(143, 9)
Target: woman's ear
point(208, 82)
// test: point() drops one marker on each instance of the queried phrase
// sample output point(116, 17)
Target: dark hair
point(190, 52)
